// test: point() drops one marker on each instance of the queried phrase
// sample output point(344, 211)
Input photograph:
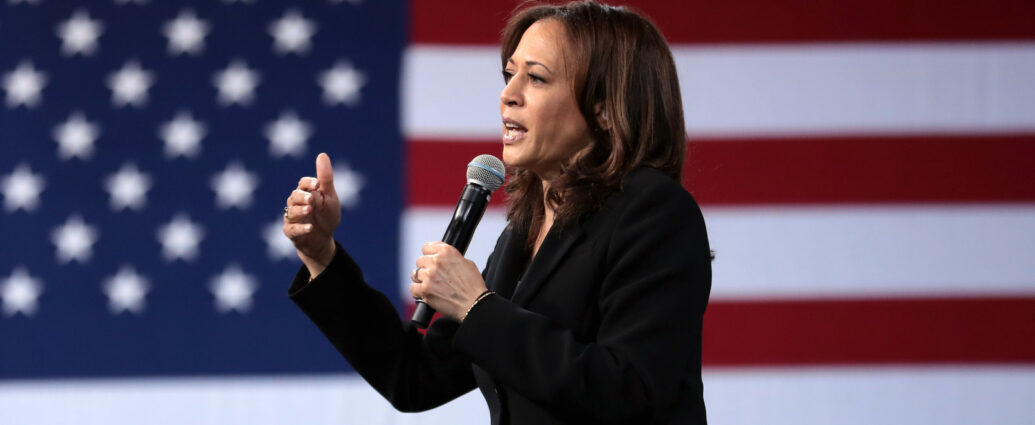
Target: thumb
point(324, 172)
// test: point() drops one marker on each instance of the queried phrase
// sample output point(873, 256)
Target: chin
point(510, 156)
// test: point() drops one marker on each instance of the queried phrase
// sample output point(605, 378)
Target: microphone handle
point(468, 213)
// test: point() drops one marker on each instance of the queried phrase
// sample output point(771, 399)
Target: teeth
point(513, 133)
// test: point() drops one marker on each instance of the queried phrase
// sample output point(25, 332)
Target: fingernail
point(305, 209)
point(312, 183)
point(308, 227)
point(307, 196)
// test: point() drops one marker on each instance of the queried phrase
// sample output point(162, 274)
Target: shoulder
point(649, 188)
point(649, 200)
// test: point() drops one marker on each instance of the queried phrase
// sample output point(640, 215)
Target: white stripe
point(765, 252)
point(330, 400)
point(799, 396)
point(865, 396)
point(453, 92)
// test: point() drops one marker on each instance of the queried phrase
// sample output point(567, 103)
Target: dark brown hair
point(623, 66)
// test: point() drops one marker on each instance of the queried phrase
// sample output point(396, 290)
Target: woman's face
point(542, 124)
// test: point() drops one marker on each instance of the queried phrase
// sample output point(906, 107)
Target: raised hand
point(312, 214)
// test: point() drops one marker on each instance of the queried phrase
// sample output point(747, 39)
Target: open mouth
point(513, 131)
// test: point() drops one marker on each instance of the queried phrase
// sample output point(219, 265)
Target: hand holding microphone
point(441, 277)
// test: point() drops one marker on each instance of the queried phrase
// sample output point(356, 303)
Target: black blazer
point(604, 325)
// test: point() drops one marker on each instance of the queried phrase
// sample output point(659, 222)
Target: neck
point(547, 208)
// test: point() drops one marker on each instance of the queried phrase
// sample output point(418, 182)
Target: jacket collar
point(551, 254)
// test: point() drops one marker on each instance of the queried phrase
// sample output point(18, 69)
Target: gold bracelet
point(476, 301)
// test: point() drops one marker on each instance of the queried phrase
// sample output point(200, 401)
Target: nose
point(511, 94)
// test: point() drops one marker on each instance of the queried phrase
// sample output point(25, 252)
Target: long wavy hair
point(623, 68)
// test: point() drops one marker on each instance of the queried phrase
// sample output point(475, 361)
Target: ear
point(602, 119)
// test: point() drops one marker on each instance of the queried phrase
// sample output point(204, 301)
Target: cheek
point(572, 130)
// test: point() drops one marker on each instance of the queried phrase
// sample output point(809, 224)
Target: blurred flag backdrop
point(866, 169)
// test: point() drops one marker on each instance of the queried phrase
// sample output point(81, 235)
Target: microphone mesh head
point(486, 170)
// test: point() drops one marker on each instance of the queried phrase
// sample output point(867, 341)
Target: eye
point(536, 78)
point(507, 75)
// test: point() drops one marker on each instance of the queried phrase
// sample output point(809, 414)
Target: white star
point(233, 290)
point(129, 85)
point(128, 188)
point(234, 187)
point(79, 34)
point(291, 33)
point(74, 240)
point(75, 137)
point(22, 189)
point(126, 291)
point(341, 84)
point(180, 238)
point(236, 84)
point(278, 246)
point(288, 135)
point(186, 33)
point(23, 85)
point(20, 293)
point(348, 183)
point(182, 136)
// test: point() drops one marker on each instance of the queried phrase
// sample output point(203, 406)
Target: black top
point(603, 327)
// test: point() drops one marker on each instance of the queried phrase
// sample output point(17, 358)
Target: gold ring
point(285, 212)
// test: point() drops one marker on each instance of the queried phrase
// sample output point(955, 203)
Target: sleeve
point(648, 345)
point(413, 372)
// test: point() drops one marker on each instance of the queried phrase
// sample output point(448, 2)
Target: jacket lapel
point(510, 262)
point(551, 254)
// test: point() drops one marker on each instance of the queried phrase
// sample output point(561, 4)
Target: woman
point(589, 309)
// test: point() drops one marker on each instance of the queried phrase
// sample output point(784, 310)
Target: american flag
point(866, 169)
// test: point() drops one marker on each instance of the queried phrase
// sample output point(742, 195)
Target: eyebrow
point(530, 63)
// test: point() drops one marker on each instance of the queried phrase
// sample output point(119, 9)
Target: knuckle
point(290, 232)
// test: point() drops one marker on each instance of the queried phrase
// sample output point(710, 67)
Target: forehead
point(544, 41)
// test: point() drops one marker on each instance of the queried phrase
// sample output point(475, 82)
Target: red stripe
point(949, 169)
point(437, 169)
point(991, 330)
point(739, 21)
point(854, 332)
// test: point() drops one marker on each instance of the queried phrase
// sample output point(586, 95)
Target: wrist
point(481, 297)
point(318, 261)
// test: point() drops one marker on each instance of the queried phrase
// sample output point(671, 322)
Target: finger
point(294, 231)
point(297, 213)
point(324, 172)
point(300, 197)
point(308, 183)
point(432, 247)
point(425, 262)
point(413, 275)
point(417, 290)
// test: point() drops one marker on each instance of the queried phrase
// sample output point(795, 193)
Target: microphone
point(484, 175)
